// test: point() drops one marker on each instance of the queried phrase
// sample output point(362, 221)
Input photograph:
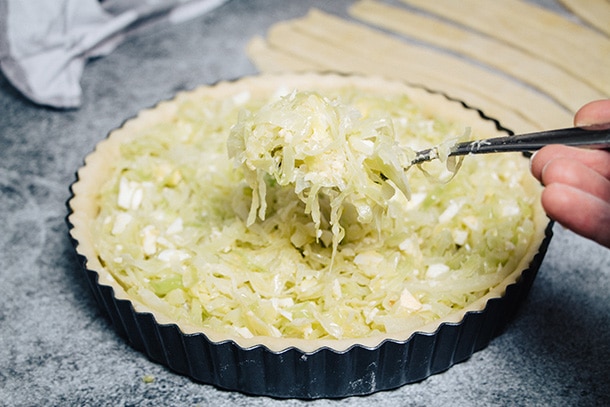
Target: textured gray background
point(57, 349)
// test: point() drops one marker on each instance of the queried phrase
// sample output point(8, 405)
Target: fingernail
point(531, 158)
point(580, 123)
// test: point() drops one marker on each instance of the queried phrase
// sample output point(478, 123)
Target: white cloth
point(45, 44)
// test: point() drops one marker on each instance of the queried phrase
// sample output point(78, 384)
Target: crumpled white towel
point(45, 44)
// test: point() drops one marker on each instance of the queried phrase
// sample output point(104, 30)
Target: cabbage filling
point(311, 228)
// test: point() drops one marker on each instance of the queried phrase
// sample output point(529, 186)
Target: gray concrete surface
point(57, 349)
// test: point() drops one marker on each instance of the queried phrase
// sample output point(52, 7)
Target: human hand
point(577, 181)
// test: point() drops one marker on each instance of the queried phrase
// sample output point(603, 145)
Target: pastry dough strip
point(547, 35)
point(563, 87)
point(271, 60)
point(594, 12)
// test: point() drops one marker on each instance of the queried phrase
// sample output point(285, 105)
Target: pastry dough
point(348, 47)
point(574, 48)
point(564, 88)
point(594, 12)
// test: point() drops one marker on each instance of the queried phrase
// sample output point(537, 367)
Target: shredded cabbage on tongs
point(327, 151)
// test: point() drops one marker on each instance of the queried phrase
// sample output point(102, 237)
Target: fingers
point(577, 181)
point(566, 171)
point(579, 211)
point(597, 160)
point(595, 112)
point(577, 193)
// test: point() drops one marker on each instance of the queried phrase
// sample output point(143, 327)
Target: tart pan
point(327, 370)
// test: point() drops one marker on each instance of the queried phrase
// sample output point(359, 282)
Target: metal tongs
point(595, 137)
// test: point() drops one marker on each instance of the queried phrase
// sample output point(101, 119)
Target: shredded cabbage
point(231, 249)
point(325, 150)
